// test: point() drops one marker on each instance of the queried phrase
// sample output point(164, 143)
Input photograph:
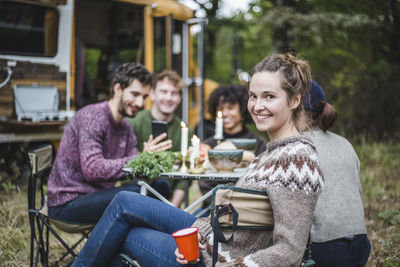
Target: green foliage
point(391, 217)
point(92, 57)
point(352, 47)
point(151, 164)
point(8, 186)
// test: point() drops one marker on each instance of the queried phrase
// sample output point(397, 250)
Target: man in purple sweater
point(96, 144)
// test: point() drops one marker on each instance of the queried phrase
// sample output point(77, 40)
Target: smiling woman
point(268, 105)
point(275, 103)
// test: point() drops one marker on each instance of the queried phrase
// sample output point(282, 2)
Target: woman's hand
point(181, 259)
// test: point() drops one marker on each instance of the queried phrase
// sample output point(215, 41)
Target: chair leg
point(59, 238)
point(41, 241)
point(32, 226)
point(84, 236)
point(127, 260)
point(36, 255)
point(47, 245)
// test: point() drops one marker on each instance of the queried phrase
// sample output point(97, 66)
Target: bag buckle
point(223, 210)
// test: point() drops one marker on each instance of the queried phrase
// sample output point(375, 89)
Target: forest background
point(353, 48)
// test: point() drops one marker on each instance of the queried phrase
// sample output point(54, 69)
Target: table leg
point(199, 201)
point(143, 189)
point(186, 193)
point(145, 186)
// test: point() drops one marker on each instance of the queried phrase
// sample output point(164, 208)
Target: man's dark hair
point(126, 73)
point(229, 94)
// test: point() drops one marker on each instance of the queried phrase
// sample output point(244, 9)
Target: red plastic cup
point(188, 243)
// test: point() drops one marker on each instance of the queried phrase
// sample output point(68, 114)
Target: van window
point(29, 30)
point(160, 50)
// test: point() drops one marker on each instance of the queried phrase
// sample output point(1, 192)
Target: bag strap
point(216, 226)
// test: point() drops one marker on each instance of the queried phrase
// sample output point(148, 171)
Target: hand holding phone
point(159, 127)
point(155, 142)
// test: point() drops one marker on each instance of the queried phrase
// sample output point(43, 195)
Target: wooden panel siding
point(27, 73)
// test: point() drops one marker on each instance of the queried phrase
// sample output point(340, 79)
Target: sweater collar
point(292, 139)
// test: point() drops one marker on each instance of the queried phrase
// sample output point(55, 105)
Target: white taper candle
point(184, 139)
point(219, 127)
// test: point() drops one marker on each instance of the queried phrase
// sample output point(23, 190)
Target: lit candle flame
point(183, 125)
point(219, 115)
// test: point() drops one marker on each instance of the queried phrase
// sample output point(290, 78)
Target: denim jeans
point(136, 225)
point(343, 253)
point(87, 209)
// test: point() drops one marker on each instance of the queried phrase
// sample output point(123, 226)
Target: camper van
point(57, 56)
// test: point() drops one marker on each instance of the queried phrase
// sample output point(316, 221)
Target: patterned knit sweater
point(288, 171)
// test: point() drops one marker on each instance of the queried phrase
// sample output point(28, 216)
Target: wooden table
point(187, 177)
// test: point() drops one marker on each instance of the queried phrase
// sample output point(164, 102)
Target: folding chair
point(41, 160)
point(225, 211)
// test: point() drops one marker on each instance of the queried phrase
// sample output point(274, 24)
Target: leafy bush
point(151, 164)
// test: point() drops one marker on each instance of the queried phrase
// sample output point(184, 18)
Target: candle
point(219, 127)
point(196, 150)
point(184, 139)
point(196, 146)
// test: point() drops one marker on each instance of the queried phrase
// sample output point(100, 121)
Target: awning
point(165, 7)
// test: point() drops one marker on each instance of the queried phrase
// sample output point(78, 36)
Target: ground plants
point(380, 177)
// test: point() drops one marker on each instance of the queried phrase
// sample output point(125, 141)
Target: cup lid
point(185, 232)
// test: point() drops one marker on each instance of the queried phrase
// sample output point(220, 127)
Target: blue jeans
point(87, 209)
point(343, 253)
point(136, 225)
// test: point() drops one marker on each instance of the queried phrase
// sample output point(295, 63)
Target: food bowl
point(225, 160)
point(244, 143)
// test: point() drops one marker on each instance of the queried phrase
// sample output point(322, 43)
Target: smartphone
point(159, 127)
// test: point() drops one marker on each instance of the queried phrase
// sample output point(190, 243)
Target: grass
point(380, 176)
point(15, 232)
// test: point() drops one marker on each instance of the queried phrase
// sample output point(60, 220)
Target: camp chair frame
point(306, 261)
point(41, 160)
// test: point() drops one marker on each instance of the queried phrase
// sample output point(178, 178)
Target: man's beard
point(122, 110)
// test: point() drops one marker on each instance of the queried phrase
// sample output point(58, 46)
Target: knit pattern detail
point(291, 163)
point(204, 226)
